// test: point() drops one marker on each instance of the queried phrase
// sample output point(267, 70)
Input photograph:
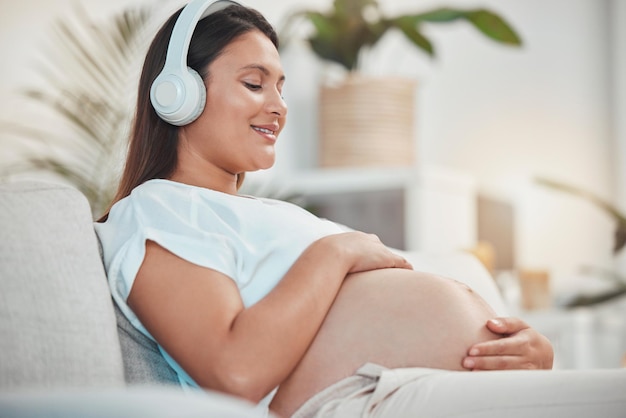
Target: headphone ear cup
point(195, 97)
point(178, 98)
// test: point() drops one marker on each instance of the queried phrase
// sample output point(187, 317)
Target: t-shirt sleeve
point(170, 221)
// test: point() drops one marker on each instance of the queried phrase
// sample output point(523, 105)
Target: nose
point(276, 104)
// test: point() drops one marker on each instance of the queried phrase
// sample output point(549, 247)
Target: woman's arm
point(522, 348)
point(198, 317)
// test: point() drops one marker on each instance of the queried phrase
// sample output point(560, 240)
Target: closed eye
point(253, 87)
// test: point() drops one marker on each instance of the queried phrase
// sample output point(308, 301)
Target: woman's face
point(244, 111)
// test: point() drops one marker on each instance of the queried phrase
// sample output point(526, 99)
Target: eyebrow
point(261, 68)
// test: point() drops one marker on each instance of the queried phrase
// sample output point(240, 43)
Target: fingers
point(503, 354)
point(498, 363)
point(506, 325)
point(526, 349)
point(394, 260)
point(517, 346)
point(405, 265)
point(367, 252)
point(402, 263)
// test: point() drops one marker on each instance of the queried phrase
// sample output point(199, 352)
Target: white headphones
point(178, 93)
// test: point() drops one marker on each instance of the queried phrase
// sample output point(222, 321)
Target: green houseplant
point(353, 25)
point(353, 130)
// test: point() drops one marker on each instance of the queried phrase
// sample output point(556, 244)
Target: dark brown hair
point(152, 149)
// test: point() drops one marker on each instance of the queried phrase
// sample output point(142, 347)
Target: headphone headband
point(178, 93)
point(186, 23)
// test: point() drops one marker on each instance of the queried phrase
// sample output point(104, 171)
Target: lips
point(266, 129)
point(263, 130)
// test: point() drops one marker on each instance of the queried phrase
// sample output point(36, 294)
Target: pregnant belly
point(392, 317)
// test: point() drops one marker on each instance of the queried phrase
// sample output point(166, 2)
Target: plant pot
point(367, 121)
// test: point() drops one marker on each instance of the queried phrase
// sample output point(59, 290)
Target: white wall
point(503, 115)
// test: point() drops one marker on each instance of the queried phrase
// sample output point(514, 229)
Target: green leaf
point(325, 28)
point(620, 237)
point(410, 30)
point(328, 51)
point(493, 26)
point(488, 23)
point(440, 15)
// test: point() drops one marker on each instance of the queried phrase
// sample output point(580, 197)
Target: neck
point(202, 174)
point(193, 169)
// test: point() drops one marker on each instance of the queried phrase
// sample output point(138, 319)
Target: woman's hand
point(365, 252)
point(521, 347)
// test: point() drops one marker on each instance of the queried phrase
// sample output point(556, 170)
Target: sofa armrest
point(131, 402)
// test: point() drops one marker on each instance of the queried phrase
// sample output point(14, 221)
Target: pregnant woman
point(256, 297)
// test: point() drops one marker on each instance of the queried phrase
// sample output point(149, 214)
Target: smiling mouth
point(264, 130)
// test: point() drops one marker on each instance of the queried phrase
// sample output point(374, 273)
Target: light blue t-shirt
point(254, 241)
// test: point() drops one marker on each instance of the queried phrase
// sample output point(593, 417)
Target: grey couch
point(65, 349)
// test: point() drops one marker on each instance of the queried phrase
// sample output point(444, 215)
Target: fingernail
point(473, 352)
point(468, 363)
point(496, 322)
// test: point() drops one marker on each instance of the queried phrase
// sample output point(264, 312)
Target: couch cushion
point(143, 362)
point(56, 317)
